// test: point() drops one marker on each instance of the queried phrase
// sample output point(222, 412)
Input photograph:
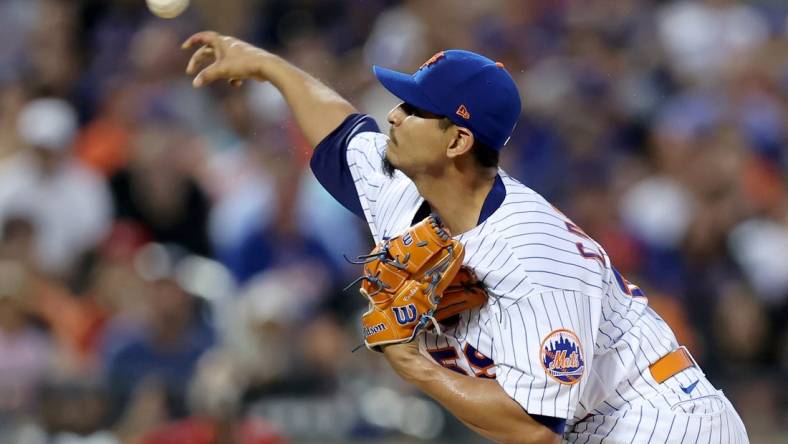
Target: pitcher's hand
point(224, 57)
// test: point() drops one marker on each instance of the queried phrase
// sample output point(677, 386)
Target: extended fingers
point(209, 54)
point(208, 75)
point(200, 38)
point(211, 39)
point(210, 61)
point(200, 59)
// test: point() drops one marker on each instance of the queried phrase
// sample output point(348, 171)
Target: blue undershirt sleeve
point(330, 165)
point(557, 425)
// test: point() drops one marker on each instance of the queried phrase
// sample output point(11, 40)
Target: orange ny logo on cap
point(462, 111)
point(432, 60)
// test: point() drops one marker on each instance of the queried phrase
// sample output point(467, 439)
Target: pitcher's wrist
point(267, 67)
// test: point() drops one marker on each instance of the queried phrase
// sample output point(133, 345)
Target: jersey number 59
point(483, 367)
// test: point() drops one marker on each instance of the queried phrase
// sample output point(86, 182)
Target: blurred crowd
point(170, 270)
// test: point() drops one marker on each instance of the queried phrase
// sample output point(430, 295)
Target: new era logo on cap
point(432, 60)
point(469, 89)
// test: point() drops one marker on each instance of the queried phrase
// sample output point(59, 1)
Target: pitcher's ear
point(461, 143)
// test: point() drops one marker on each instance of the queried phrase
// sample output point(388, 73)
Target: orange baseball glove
point(404, 279)
point(464, 292)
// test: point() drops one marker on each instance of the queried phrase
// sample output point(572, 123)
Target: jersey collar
point(493, 200)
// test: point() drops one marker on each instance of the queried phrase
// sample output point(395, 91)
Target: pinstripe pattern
point(543, 274)
point(702, 420)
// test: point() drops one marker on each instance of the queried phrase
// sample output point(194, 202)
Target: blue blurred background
point(171, 272)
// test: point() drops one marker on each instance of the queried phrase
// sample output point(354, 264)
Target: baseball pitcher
point(480, 292)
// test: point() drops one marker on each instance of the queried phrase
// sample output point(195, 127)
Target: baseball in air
point(167, 8)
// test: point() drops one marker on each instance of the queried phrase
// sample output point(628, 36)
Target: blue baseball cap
point(469, 89)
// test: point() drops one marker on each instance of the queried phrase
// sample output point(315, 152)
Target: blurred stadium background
point(170, 271)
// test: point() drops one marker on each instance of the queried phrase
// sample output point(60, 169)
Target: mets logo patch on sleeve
point(562, 356)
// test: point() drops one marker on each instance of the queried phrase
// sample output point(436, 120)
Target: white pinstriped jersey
point(562, 332)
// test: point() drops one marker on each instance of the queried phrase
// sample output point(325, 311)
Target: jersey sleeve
point(348, 164)
point(543, 346)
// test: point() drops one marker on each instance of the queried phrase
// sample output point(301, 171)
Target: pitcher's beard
point(387, 167)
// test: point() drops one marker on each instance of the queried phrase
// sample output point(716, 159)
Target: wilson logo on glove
point(373, 329)
point(405, 315)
